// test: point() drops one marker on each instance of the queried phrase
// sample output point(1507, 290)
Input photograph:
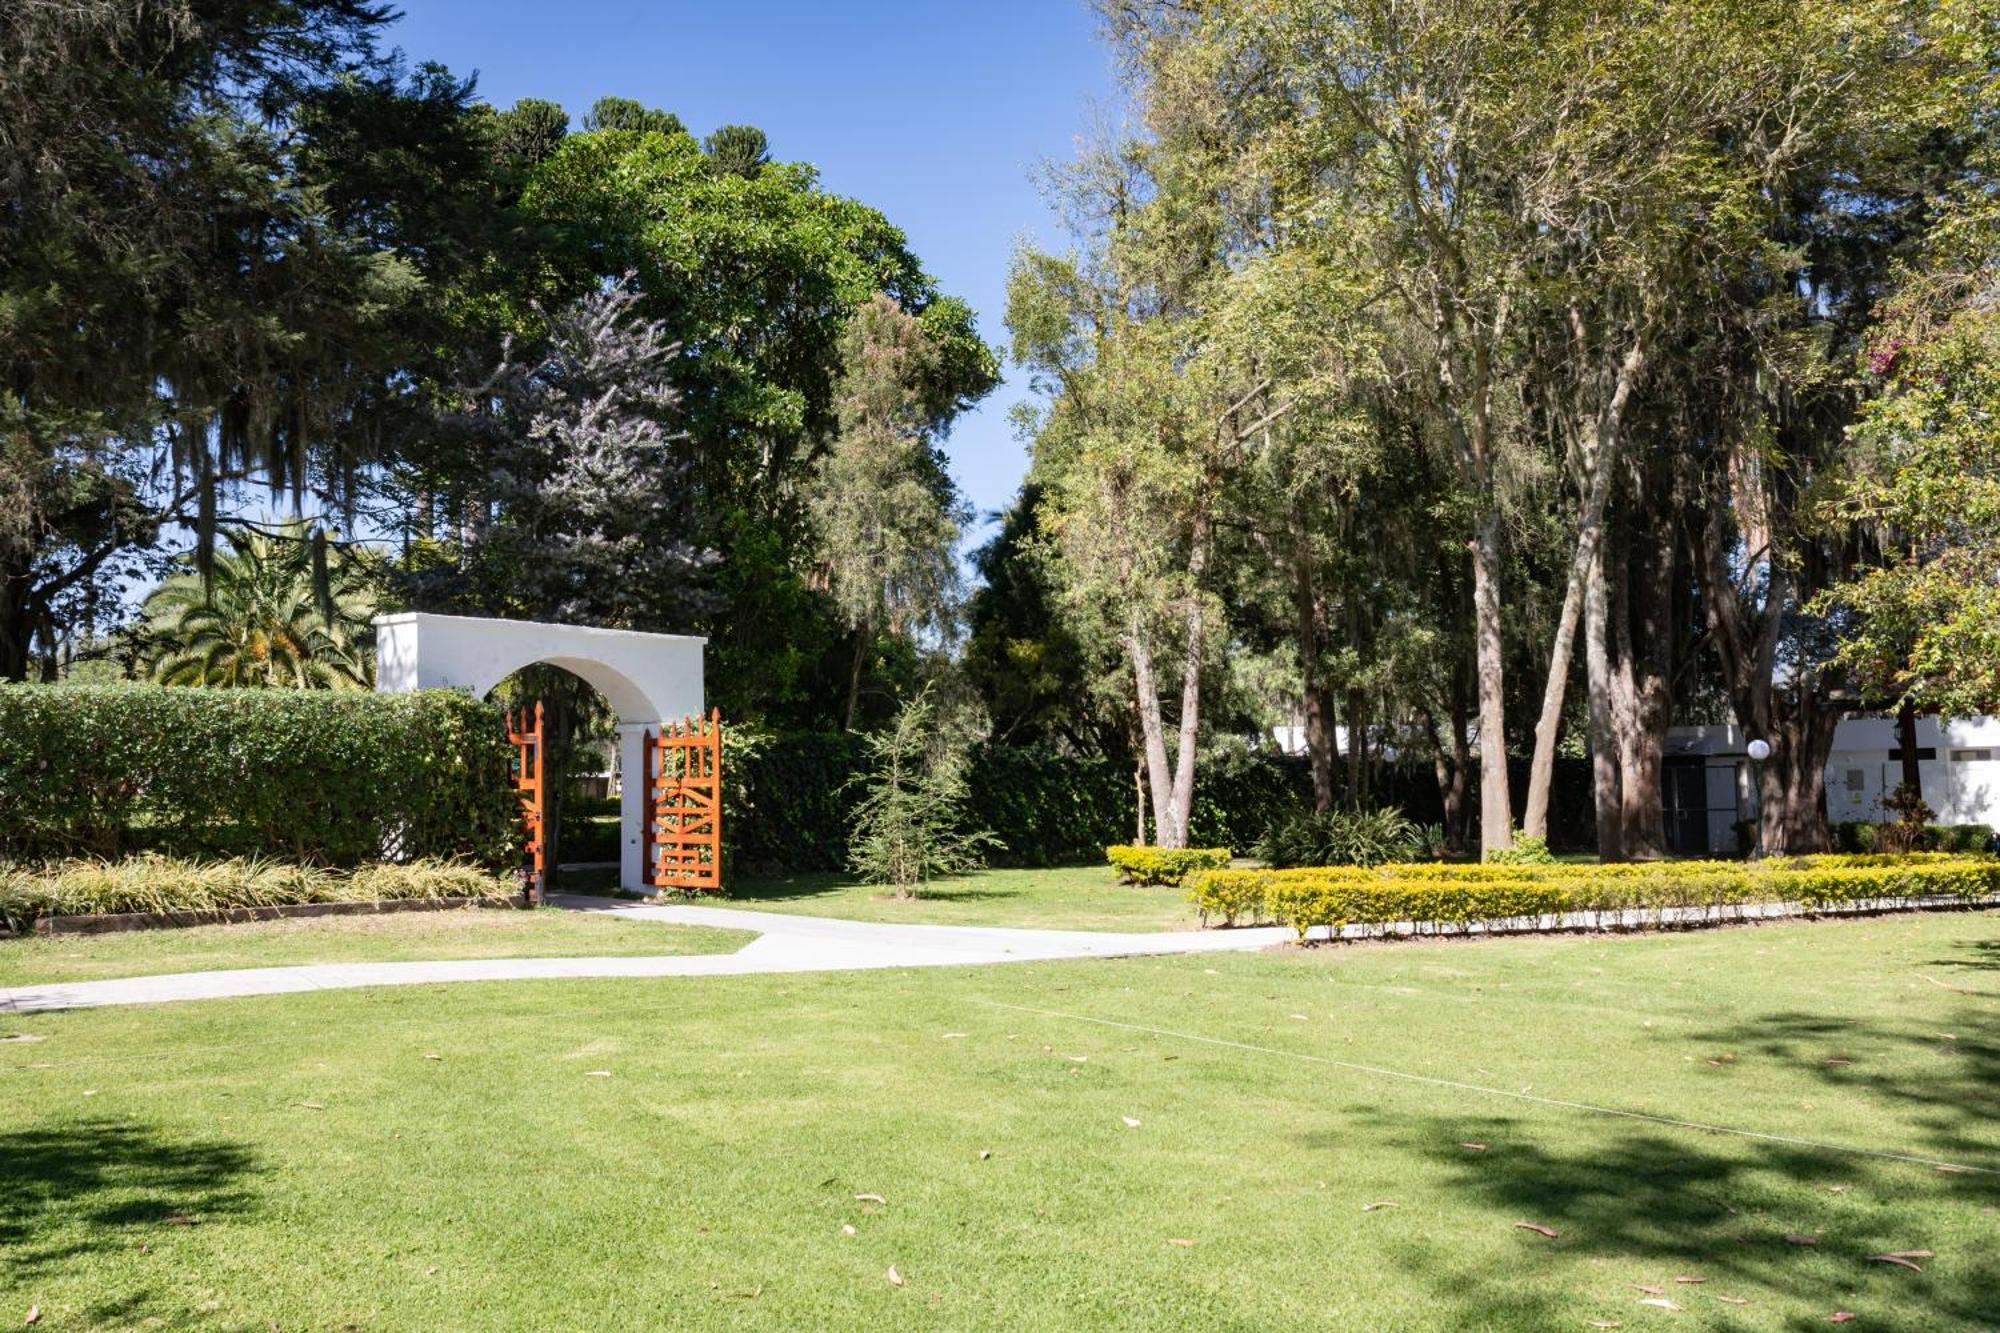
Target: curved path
point(784, 943)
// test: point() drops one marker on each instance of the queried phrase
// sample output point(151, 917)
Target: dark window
point(1923, 752)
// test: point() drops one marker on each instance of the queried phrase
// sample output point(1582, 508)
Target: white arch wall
point(647, 678)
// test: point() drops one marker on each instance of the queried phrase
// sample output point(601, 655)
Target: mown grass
point(463, 933)
point(688, 1152)
point(1068, 898)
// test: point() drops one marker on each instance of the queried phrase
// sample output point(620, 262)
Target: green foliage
point(227, 224)
point(789, 804)
point(741, 150)
point(1525, 851)
point(275, 610)
point(886, 512)
point(1341, 838)
point(909, 825)
point(1164, 865)
point(1620, 896)
point(1866, 837)
point(152, 883)
point(311, 777)
point(762, 273)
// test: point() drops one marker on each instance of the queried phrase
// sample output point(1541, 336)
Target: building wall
point(1958, 760)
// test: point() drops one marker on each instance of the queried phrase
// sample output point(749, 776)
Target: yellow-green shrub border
point(1164, 865)
point(1456, 897)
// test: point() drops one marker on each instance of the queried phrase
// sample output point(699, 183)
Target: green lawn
point(1070, 898)
point(468, 933)
point(689, 1152)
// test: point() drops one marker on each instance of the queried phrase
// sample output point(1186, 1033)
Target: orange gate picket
point(683, 846)
point(524, 730)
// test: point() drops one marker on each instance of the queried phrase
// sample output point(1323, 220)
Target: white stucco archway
point(647, 679)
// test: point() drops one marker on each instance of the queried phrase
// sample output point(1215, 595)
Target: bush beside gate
point(305, 776)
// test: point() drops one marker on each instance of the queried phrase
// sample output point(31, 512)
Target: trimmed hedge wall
point(306, 776)
point(1448, 897)
point(788, 808)
point(789, 801)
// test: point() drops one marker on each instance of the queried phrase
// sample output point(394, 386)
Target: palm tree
point(260, 621)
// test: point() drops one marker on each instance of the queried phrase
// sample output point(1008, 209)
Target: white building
point(1709, 788)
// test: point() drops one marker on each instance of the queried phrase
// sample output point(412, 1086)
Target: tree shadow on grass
point(1941, 1074)
point(1646, 1207)
point(94, 1186)
point(1975, 956)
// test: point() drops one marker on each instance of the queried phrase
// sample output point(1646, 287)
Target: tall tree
point(222, 221)
point(888, 515)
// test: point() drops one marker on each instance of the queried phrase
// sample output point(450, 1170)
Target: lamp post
point(1760, 750)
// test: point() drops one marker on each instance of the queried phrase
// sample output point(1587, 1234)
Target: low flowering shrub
point(1441, 898)
point(1527, 850)
point(1164, 865)
point(150, 883)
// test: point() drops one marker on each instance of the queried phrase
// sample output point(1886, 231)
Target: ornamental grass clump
point(166, 884)
point(1342, 838)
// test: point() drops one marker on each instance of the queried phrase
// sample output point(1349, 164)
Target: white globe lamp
point(1760, 750)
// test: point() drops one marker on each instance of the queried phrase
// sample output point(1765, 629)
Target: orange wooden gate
point(524, 729)
point(683, 844)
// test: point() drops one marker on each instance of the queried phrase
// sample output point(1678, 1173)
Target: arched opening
point(644, 680)
point(581, 773)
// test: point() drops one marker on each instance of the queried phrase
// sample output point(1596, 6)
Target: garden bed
point(106, 923)
point(166, 891)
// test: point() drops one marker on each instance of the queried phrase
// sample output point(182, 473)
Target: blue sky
point(936, 113)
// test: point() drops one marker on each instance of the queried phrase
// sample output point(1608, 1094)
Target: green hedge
point(311, 777)
point(1457, 896)
point(788, 802)
point(1866, 837)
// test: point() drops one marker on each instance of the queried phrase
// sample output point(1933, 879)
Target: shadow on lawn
point(97, 1186)
point(1942, 1075)
point(1646, 1208)
point(1979, 956)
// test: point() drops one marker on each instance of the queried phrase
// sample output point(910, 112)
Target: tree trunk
point(1139, 805)
point(1548, 727)
point(17, 621)
point(1457, 814)
point(1195, 643)
point(1797, 722)
point(1603, 723)
point(1594, 488)
point(1643, 615)
point(1146, 686)
point(1793, 788)
point(1309, 612)
point(1906, 743)
point(861, 637)
point(1496, 813)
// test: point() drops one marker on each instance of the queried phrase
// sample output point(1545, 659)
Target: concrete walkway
point(785, 943)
